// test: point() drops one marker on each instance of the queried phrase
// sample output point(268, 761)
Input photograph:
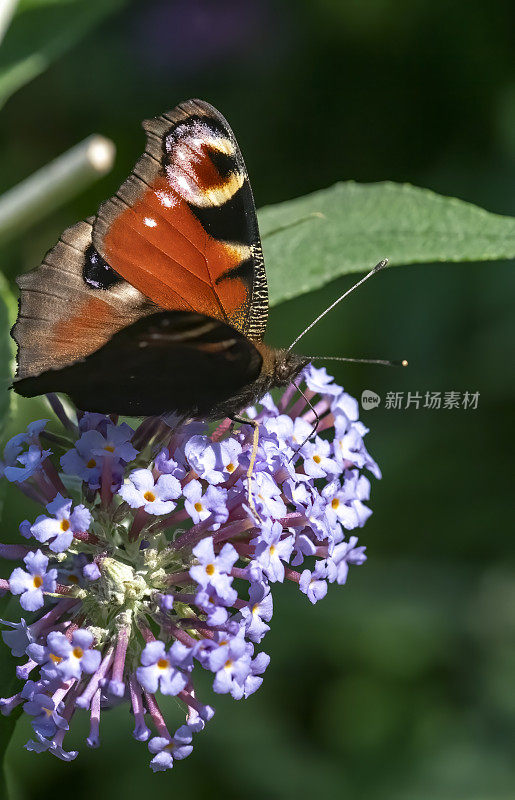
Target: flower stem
point(52, 185)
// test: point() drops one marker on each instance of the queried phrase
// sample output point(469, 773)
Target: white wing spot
point(149, 222)
point(165, 199)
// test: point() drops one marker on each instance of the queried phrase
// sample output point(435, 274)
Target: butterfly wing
point(181, 233)
point(170, 361)
point(71, 304)
point(182, 228)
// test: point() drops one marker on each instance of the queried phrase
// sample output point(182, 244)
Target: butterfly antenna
point(377, 267)
point(383, 362)
point(315, 426)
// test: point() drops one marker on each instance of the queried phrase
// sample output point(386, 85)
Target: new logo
point(369, 399)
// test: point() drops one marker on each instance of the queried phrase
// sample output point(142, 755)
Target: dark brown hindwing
point(171, 361)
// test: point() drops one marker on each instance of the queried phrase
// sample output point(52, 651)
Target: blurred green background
point(401, 685)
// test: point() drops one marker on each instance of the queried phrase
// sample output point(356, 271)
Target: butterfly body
point(159, 303)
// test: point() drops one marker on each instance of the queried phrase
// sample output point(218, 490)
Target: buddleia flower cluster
point(149, 562)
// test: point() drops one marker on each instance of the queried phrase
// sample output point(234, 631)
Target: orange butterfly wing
point(182, 229)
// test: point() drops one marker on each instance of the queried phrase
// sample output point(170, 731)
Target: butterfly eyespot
point(97, 273)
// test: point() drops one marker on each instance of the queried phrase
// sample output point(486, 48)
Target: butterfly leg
point(255, 442)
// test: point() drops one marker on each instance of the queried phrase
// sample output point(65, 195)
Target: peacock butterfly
point(159, 303)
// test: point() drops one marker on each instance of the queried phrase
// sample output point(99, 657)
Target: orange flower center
point(65, 524)
point(228, 663)
point(163, 663)
point(55, 659)
point(198, 506)
point(210, 569)
point(149, 496)
point(230, 467)
point(335, 503)
point(91, 463)
point(317, 459)
point(109, 448)
point(38, 581)
point(78, 652)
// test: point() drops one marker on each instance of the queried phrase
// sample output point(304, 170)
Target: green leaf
point(350, 227)
point(41, 31)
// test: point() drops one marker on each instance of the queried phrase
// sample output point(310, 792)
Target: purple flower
point(313, 585)
point(158, 672)
point(168, 466)
point(346, 407)
point(200, 505)
point(253, 680)
point(91, 572)
point(46, 715)
point(258, 612)
point(214, 462)
point(59, 529)
point(320, 382)
point(267, 402)
point(64, 659)
point(272, 550)
point(213, 605)
point(40, 745)
point(81, 461)
point(18, 639)
point(317, 463)
point(316, 513)
point(350, 450)
point(31, 460)
point(288, 432)
point(16, 445)
point(339, 508)
point(267, 496)
point(91, 421)
point(345, 553)
point(214, 570)
point(304, 546)
point(280, 428)
point(231, 663)
point(181, 656)
point(200, 577)
point(167, 750)
point(115, 443)
point(31, 584)
point(155, 497)
point(87, 458)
